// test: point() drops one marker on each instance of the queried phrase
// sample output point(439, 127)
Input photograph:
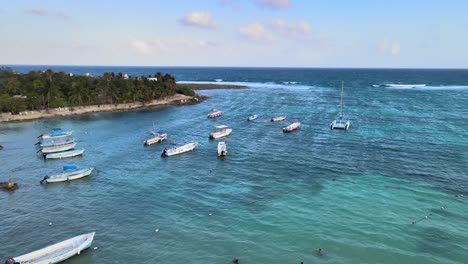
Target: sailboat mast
point(342, 84)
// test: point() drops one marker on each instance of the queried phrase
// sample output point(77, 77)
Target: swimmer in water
point(235, 260)
point(320, 252)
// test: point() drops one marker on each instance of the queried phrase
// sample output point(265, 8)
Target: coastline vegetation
point(42, 90)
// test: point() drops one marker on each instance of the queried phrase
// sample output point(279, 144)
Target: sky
point(253, 33)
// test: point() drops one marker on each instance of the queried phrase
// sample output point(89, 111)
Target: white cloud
point(389, 46)
point(277, 4)
point(199, 19)
point(140, 46)
point(255, 32)
point(301, 29)
point(38, 11)
point(62, 14)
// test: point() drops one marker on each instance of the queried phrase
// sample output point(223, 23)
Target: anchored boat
point(292, 127)
point(340, 123)
point(220, 131)
point(252, 117)
point(215, 114)
point(56, 253)
point(158, 137)
point(45, 144)
point(222, 149)
point(64, 154)
point(167, 152)
point(56, 135)
point(58, 148)
point(70, 173)
point(278, 119)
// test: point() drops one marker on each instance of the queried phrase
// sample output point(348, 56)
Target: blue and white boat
point(64, 154)
point(50, 143)
point(70, 172)
point(59, 148)
point(56, 135)
point(56, 253)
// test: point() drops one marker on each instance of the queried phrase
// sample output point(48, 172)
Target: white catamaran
point(340, 123)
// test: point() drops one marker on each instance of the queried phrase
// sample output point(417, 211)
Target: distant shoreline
point(178, 99)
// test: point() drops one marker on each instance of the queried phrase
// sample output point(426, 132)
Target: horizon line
point(224, 66)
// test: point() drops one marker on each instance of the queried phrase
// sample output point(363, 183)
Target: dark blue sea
point(392, 189)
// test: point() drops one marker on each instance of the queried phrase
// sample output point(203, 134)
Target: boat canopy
point(56, 128)
point(221, 127)
point(70, 167)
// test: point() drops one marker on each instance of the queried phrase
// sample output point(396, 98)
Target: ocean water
point(276, 197)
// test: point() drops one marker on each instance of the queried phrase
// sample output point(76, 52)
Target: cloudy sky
point(273, 33)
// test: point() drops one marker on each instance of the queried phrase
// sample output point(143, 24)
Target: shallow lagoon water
point(277, 196)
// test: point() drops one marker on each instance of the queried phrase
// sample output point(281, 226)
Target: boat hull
point(221, 134)
point(215, 114)
point(70, 176)
point(251, 118)
point(56, 135)
point(65, 154)
point(278, 119)
point(178, 150)
point(292, 127)
point(60, 148)
point(53, 143)
point(58, 252)
point(155, 140)
point(340, 125)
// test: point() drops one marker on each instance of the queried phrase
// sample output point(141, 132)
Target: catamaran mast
point(342, 84)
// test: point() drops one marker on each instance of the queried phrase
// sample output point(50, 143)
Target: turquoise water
point(276, 197)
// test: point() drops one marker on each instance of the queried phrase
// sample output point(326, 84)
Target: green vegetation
point(39, 90)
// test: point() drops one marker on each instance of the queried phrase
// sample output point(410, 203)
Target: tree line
point(38, 90)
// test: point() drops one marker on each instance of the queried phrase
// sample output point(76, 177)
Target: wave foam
point(423, 86)
point(270, 85)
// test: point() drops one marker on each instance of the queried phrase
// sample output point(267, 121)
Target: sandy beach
point(178, 99)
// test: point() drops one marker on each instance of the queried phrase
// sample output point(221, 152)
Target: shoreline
point(178, 99)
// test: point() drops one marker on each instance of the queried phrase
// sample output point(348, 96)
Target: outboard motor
point(11, 261)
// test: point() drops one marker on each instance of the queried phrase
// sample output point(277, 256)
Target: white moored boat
point(215, 114)
point(68, 176)
point(59, 148)
point(178, 149)
point(292, 127)
point(158, 137)
point(58, 142)
point(252, 117)
point(220, 131)
point(56, 253)
point(278, 119)
point(340, 123)
point(222, 149)
point(56, 135)
point(65, 154)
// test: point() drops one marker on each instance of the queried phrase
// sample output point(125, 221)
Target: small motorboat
point(64, 154)
point(278, 119)
point(158, 137)
point(8, 186)
point(167, 152)
point(69, 173)
point(252, 117)
point(215, 114)
point(52, 143)
point(56, 135)
point(56, 253)
point(59, 148)
point(220, 131)
point(340, 123)
point(222, 149)
point(292, 127)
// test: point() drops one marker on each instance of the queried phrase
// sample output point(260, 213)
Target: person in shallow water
point(235, 260)
point(320, 252)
